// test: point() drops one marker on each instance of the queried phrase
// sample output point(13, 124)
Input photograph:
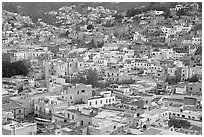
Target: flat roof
point(8, 104)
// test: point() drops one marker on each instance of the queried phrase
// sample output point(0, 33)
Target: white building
point(100, 101)
point(20, 129)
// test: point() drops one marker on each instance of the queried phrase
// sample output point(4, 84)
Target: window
point(68, 115)
point(109, 100)
point(114, 127)
point(72, 116)
point(82, 123)
point(65, 120)
point(71, 97)
point(178, 115)
point(89, 123)
point(19, 111)
point(83, 91)
point(183, 116)
point(113, 99)
point(90, 103)
point(96, 102)
point(106, 100)
point(101, 101)
point(78, 92)
point(72, 102)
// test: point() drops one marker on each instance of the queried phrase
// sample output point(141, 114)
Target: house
point(99, 101)
point(186, 114)
point(107, 122)
point(12, 106)
point(46, 106)
point(115, 75)
point(181, 89)
point(186, 72)
point(26, 102)
point(158, 131)
point(16, 128)
point(83, 118)
point(76, 94)
point(171, 71)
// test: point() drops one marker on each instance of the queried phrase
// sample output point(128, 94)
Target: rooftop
point(8, 104)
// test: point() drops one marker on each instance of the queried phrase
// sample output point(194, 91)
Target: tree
point(92, 77)
point(194, 78)
point(199, 51)
point(90, 27)
point(89, 76)
point(132, 12)
point(91, 44)
point(171, 80)
point(64, 35)
point(15, 68)
point(178, 75)
point(100, 44)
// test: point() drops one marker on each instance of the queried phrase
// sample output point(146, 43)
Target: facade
point(100, 101)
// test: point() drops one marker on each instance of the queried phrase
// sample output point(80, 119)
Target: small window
point(68, 115)
point(72, 116)
point(114, 127)
point(101, 101)
point(19, 111)
point(96, 102)
point(70, 97)
point(78, 92)
point(90, 103)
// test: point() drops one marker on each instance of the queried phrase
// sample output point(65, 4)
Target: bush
point(178, 123)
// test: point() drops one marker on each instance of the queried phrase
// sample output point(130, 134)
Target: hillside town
point(95, 71)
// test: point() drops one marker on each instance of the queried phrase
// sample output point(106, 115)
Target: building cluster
point(147, 79)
